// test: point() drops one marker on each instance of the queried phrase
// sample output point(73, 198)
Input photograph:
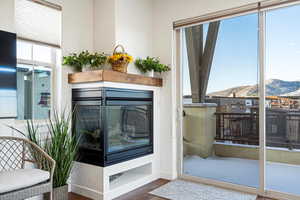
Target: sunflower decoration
point(120, 60)
point(120, 57)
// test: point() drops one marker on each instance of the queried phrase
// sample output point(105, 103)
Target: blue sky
point(236, 56)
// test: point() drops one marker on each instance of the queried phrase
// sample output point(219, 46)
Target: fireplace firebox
point(112, 125)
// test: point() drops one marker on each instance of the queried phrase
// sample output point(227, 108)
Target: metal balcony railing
point(282, 128)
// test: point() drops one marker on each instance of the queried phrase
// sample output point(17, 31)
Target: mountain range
point(274, 87)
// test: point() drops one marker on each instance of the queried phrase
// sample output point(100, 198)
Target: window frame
point(52, 66)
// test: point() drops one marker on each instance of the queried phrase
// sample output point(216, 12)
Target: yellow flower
point(120, 57)
point(129, 58)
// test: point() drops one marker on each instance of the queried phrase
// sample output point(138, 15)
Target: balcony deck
point(279, 177)
point(229, 140)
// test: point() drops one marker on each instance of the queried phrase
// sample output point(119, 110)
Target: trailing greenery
point(149, 64)
point(78, 61)
point(59, 144)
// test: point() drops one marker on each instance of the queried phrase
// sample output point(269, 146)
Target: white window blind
point(38, 22)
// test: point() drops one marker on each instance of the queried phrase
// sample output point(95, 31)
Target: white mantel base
point(93, 181)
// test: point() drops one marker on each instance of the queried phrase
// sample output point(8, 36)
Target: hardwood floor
point(73, 196)
point(141, 193)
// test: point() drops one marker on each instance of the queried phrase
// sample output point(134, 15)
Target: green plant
point(149, 64)
point(78, 61)
point(59, 144)
point(97, 59)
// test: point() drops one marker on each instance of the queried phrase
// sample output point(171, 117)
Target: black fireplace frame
point(105, 96)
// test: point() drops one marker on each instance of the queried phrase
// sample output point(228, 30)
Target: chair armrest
point(35, 154)
point(15, 151)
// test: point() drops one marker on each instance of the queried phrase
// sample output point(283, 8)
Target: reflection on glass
point(42, 92)
point(128, 127)
point(283, 100)
point(221, 136)
point(88, 127)
point(24, 91)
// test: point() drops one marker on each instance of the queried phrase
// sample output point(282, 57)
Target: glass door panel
point(42, 92)
point(128, 127)
point(283, 100)
point(221, 135)
point(88, 126)
point(24, 91)
point(88, 131)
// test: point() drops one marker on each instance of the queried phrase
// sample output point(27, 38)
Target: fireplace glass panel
point(88, 127)
point(128, 127)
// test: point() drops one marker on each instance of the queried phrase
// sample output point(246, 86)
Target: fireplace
point(112, 125)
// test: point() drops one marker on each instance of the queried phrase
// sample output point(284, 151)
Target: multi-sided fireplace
point(112, 125)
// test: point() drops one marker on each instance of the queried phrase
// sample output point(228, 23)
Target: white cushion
point(21, 178)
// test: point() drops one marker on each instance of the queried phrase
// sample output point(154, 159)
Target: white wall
point(164, 14)
point(77, 26)
point(7, 15)
point(125, 22)
point(134, 28)
point(77, 35)
point(104, 25)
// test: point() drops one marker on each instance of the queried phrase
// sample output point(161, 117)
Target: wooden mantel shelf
point(113, 76)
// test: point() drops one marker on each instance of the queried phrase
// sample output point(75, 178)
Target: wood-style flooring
point(141, 193)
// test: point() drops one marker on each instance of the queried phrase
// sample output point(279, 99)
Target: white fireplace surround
point(93, 181)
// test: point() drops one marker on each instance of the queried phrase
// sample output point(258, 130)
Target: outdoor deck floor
point(279, 177)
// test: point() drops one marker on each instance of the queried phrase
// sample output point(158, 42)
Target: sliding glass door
point(220, 101)
point(283, 100)
point(241, 102)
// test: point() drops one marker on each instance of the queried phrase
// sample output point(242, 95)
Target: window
point(34, 80)
point(38, 29)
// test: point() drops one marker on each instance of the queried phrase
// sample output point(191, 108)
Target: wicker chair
point(18, 156)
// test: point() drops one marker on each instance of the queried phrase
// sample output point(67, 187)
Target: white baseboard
point(87, 192)
point(168, 176)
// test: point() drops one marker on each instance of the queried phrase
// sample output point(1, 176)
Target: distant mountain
point(274, 87)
